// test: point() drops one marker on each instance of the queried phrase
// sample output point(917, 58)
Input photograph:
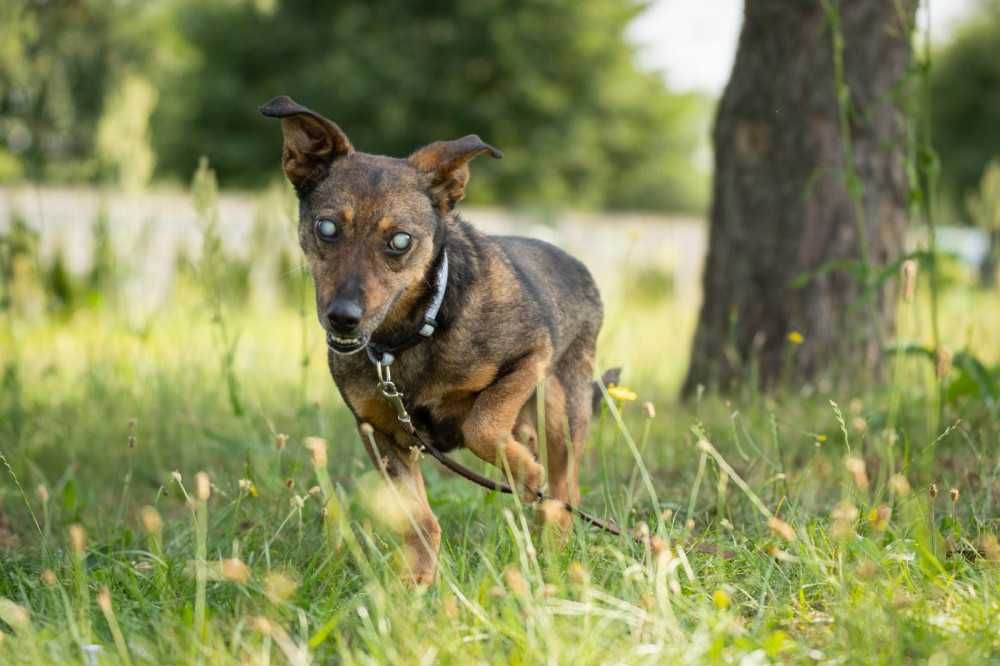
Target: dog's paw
point(531, 482)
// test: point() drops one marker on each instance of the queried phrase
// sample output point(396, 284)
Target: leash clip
point(389, 391)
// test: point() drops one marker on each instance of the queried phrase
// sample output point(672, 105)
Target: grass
point(144, 522)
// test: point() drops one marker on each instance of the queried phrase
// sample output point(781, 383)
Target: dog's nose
point(343, 315)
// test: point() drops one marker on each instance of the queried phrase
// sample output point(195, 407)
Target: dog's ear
point(446, 164)
point(312, 142)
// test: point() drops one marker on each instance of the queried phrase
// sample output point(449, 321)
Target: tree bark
point(781, 203)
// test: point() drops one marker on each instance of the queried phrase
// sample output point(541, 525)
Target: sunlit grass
point(786, 527)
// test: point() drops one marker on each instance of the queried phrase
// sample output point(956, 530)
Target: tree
point(73, 102)
point(554, 83)
point(965, 102)
point(810, 192)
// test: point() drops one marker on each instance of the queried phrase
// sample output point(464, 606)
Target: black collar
point(386, 354)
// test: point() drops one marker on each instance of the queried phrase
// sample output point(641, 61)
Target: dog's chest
point(438, 402)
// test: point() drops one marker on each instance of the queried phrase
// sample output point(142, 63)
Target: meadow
point(191, 489)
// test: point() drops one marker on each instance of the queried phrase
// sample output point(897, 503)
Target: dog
point(471, 325)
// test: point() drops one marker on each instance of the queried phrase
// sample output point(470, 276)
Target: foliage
point(103, 90)
point(984, 204)
point(65, 66)
point(965, 100)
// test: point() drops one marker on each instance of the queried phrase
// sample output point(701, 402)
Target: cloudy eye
point(400, 242)
point(326, 229)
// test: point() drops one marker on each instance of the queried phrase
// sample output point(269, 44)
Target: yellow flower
point(721, 599)
point(795, 338)
point(621, 393)
point(820, 438)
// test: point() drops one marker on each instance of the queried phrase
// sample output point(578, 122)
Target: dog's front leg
point(488, 427)
point(411, 513)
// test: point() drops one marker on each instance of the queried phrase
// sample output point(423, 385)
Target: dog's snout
point(343, 315)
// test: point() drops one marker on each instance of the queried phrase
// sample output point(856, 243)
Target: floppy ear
point(447, 165)
point(312, 142)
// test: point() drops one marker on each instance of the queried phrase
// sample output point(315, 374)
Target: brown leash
point(395, 398)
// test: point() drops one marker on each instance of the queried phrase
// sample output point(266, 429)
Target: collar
point(385, 354)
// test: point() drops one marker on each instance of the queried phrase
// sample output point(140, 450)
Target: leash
point(395, 398)
point(382, 356)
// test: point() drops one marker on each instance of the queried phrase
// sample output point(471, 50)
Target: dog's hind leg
point(559, 457)
point(488, 428)
point(575, 371)
point(407, 509)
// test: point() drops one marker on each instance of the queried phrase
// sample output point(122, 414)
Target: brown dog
point(471, 324)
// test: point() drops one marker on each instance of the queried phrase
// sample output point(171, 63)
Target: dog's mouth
point(346, 345)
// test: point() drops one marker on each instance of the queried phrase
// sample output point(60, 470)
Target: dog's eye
point(326, 229)
point(400, 242)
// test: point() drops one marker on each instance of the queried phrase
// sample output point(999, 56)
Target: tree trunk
point(781, 204)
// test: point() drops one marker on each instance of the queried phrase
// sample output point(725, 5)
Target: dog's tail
point(609, 377)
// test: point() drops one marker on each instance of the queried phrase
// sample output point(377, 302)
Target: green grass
point(859, 568)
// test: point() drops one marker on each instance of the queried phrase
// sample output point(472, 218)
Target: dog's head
point(370, 226)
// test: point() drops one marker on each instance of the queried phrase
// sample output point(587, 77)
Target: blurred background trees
point(128, 91)
point(965, 108)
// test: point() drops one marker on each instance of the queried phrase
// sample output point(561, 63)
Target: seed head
point(280, 441)
point(879, 517)
point(104, 599)
point(933, 491)
point(203, 486)
point(248, 486)
point(317, 446)
point(42, 493)
point(661, 549)
point(263, 625)
point(845, 511)
point(650, 410)
point(151, 521)
point(908, 272)
point(49, 578)
point(899, 485)
point(954, 494)
point(515, 581)
point(450, 607)
point(782, 529)
point(551, 511)
point(856, 466)
point(867, 570)
point(843, 515)
point(578, 574)
point(15, 615)
point(77, 539)
point(366, 429)
point(991, 547)
point(235, 571)
point(279, 586)
point(177, 476)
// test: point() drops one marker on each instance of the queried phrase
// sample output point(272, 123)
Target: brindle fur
point(517, 312)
